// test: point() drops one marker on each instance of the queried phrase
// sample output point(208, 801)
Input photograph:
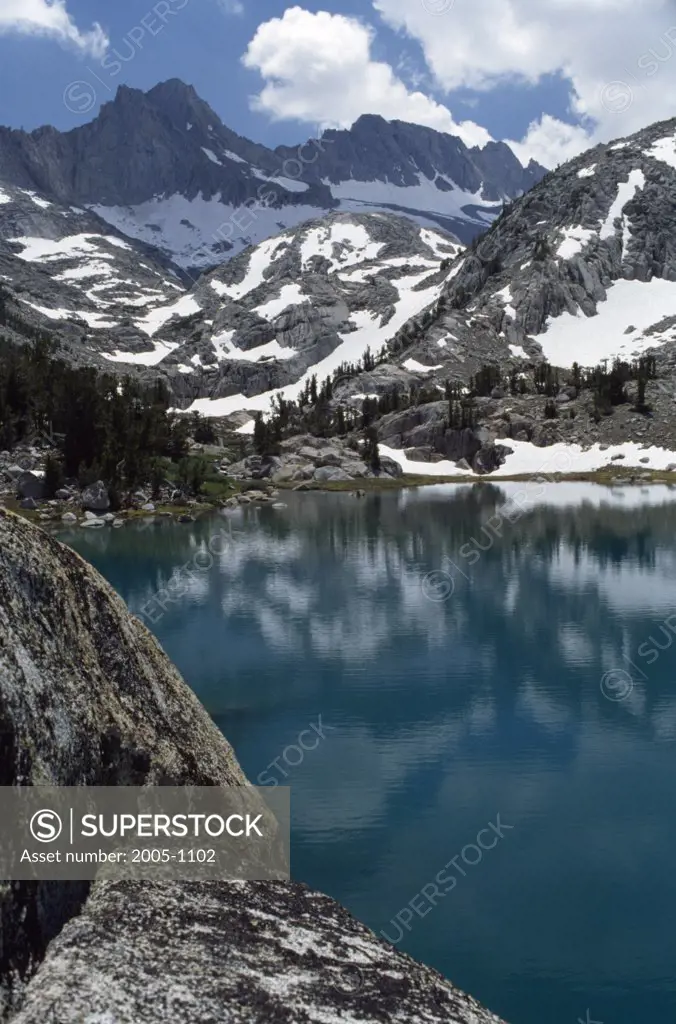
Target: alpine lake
point(471, 692)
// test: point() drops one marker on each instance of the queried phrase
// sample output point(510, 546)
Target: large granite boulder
point(241, 953)
point(95, 498)
point(331, 474)
point(389, 467)
point(30, 485)
point(87, 697)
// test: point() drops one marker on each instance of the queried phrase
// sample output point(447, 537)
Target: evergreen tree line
point(101, 426)
point(609, 385)
point(315, 413)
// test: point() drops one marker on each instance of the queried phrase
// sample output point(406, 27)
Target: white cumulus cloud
point(618, 57)
point(551, 142)
point(319, 68)
point(50, 18)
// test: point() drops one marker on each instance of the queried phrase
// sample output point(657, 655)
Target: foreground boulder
point(88, 697)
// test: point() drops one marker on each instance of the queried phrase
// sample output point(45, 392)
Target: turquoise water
point(415, 665)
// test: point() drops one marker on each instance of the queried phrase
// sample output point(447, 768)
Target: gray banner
point(159, 833)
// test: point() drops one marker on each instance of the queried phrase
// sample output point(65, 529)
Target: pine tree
point(371, 450)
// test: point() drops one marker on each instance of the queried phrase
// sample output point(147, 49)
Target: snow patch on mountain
point(638, 305)
point(359, 274)
point(36, 199)
point(415, 367)
point(209, 153)
point(152, 358)
point(505, 296)
point(443, 248)
point(574, 241)
point(290, 184)
point(95, 320)
point(157, 318)
point(626, 190)
point(271, 350)
point(664, 150)
point(290, 295)
point(37, 250)
point(518, 351)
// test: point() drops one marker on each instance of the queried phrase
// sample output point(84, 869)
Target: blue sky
point(551, 76)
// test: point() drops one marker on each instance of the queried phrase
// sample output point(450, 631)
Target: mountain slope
point(161, 167)
point(302, 304)
point(581, 269)
point(66, 270)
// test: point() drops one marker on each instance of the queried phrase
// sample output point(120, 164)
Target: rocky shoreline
point(304, 463)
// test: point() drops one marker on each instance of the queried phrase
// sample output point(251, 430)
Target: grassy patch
point(218, 487)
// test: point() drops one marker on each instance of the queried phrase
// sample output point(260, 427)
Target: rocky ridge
point(299, 305)
point(192, 191)
point(582, 268)
point(88, 697)
point(65, 270)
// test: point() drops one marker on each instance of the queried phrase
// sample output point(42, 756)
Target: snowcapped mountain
point(304, 303)
point(67, 270)
point(183, 182)
point(581, 269)
point(423, 173)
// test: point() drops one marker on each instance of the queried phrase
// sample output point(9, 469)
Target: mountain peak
point(173, 87)
point(366, 122)
point(161, 167)
point(173, 99)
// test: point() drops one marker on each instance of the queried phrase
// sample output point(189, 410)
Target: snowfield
point(424, 197)
point(369, 333)
point(194, 231)
point(638, 305)
point(528, 459)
